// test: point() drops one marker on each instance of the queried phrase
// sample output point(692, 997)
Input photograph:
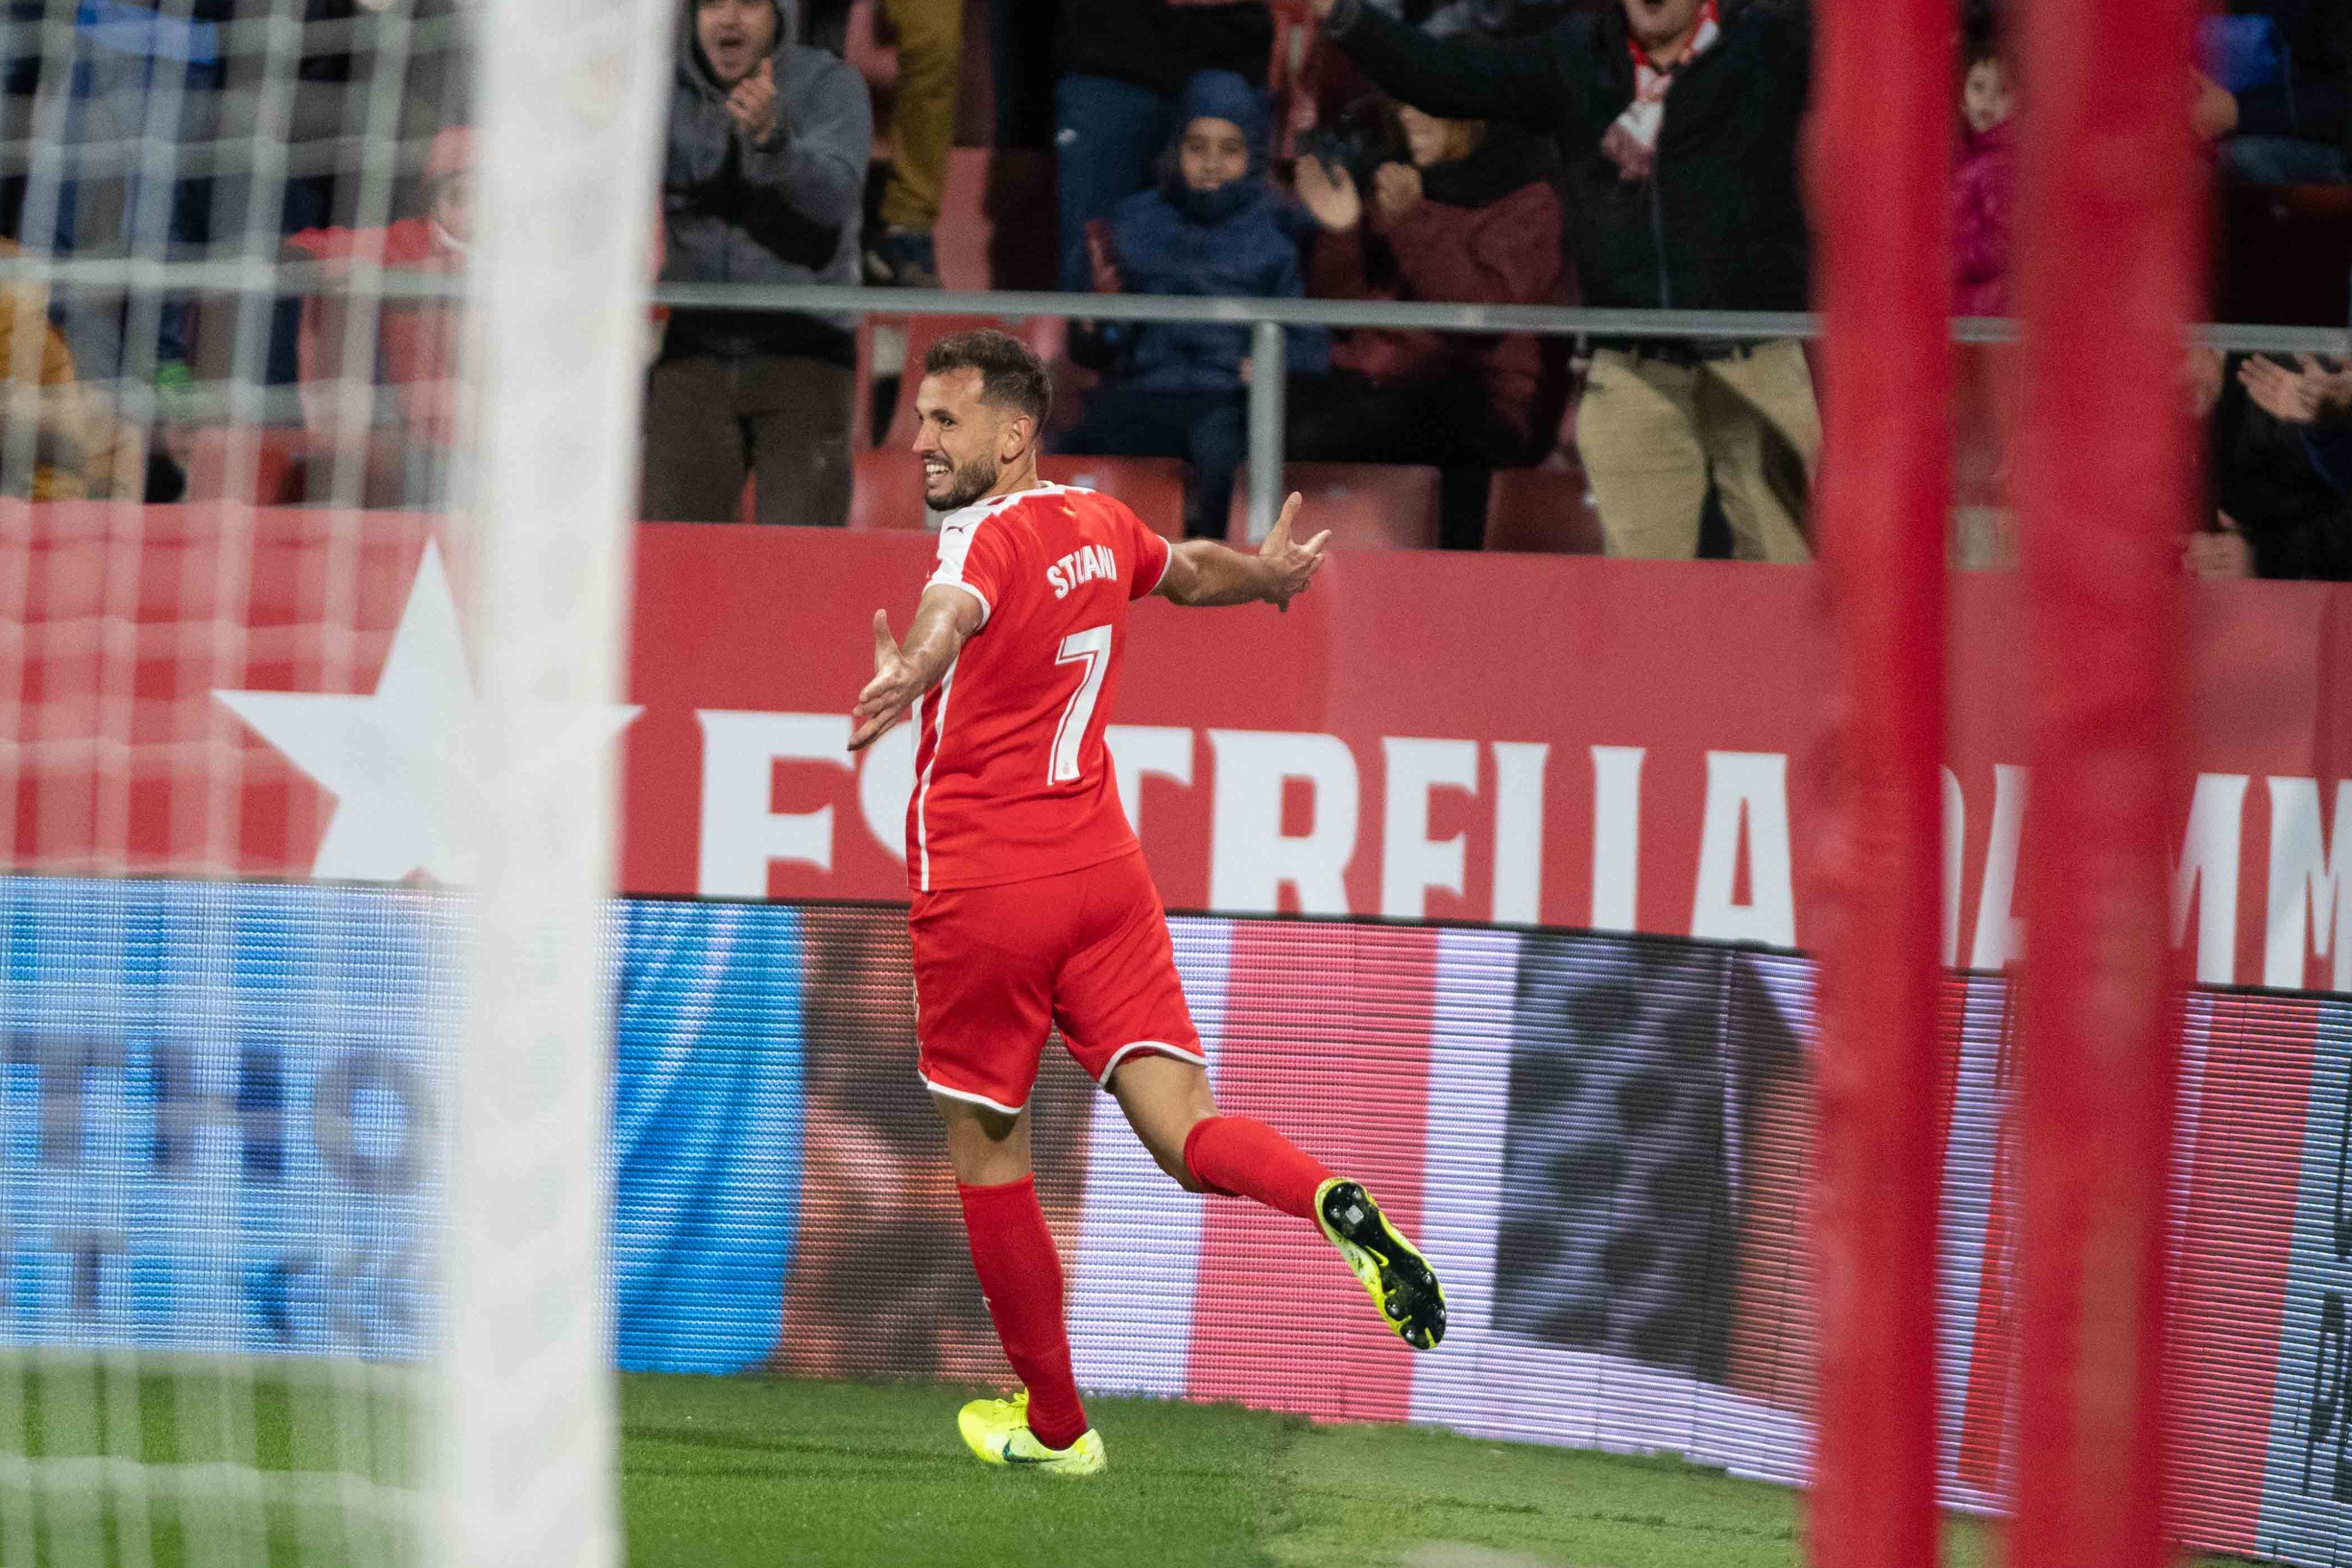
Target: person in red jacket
point(1474, 217)
point(414, 342)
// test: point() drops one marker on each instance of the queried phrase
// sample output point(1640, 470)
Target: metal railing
point(1265, 317)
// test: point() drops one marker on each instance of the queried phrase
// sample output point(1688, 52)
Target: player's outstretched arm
point(1203, 572)
point(944, 621)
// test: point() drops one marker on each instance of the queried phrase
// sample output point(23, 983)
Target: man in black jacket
point(1677, 131)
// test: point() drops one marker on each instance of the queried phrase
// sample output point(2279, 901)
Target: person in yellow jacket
point(38, 372)
point(78, 450)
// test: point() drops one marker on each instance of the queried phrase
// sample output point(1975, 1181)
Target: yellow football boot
point(1394, 1273)
point(997, 1431)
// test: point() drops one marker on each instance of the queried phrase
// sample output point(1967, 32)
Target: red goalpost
point(2109, 274)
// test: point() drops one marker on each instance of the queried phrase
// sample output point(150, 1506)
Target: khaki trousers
point(922, 110)
point(1654, 431)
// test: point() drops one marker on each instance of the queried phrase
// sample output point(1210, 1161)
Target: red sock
point(1020, 1279)
point(1240, 1156)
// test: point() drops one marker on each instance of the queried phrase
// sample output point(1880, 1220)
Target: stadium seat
point(1367, 506)
point(997, 219)
point(887, 493)
point(1153, 487)
point(922, 331)
point(868, 55)
point(861, 405)
point(1546, 511)
point(889, 489)
point(1986, 387)
point(264, 465)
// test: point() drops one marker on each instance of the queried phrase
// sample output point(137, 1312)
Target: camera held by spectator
point(1363, 139)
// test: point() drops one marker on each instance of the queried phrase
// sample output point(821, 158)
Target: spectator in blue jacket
point(2280, 84)
point(1213, 226)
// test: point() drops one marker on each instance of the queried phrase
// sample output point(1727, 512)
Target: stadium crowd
point(1621, 153)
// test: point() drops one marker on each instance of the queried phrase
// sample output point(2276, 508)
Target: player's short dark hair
point(1011, 374)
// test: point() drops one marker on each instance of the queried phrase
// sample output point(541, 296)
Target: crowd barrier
point(215, 1096)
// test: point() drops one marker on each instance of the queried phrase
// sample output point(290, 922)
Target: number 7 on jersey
point(1091, 647)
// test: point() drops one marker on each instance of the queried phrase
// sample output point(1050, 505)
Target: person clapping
point(1469, 215)
point(763, 180)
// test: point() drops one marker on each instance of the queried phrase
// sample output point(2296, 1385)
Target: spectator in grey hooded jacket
point(765, 177)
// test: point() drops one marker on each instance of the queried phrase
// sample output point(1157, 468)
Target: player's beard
point(971, 483)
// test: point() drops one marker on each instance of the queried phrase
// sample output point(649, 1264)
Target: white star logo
point(401, 763)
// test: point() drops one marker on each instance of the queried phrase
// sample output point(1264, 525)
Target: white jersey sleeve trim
point(986, 608)
point(955, 546)
point(1167, 560)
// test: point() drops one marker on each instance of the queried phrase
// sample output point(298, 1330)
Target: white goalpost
point(571, 91)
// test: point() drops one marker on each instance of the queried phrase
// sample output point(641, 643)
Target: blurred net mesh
point(228, 320)
point(253, 214)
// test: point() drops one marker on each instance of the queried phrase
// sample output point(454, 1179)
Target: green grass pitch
point(718, 1473)
point(749, 1473)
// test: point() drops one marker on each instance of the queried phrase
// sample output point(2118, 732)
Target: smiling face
point(1662, 23)
point(735, 35)
point(964, 441)
point(1213, 153)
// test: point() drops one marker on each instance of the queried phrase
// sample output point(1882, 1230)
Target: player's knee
point(1168, 1155)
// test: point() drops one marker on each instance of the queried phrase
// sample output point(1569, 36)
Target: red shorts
point(1087, 950)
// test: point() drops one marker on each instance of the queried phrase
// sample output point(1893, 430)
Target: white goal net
point(323, 327)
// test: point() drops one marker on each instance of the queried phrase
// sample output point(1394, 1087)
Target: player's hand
point(1290, 567)
point(753, 103)
point(887, 696)
point(1323, 10)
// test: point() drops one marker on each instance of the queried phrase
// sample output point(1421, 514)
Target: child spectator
point(764, 179)
point(1473, 217)
point(1212, 227)
point(1984, 186)
point(416, 341)
point(1122, 63)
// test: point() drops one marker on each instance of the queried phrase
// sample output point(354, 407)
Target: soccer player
point(1032, 903)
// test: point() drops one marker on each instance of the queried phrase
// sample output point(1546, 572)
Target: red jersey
point(1012, 779)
